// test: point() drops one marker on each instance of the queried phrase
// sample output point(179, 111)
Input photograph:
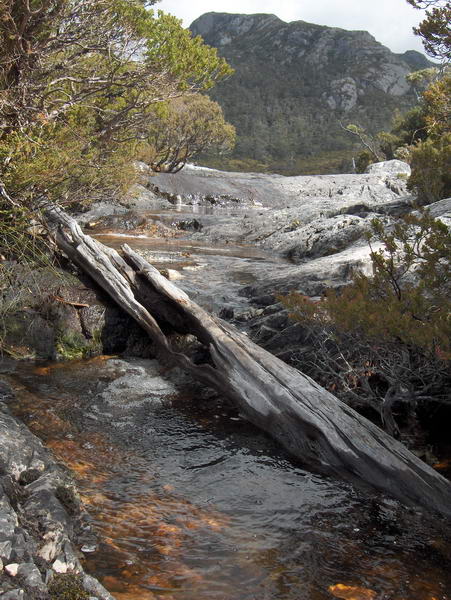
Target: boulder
point(391, 168)
point(441, 210)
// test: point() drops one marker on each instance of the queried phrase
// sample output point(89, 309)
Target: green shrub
point(67, 586)
point(386, 339)
point(431, 169)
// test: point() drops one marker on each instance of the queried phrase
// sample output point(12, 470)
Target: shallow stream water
point(190, 502)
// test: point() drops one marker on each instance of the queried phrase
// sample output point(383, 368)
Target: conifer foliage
point(435, 29)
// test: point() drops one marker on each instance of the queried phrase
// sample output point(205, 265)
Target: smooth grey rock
point(389, 167)
point(100, 209)
point(21, 549)
point(8, 518)
point(312, 194)
point(140, 197)
point(92, 586)
point(142, 380)
point(312, 278)
point(31, 575)
point(441, 210)
point(322, 237)
point(6, 548)
point(20, 448)
point(17, 594)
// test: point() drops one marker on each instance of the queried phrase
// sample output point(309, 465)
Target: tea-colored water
point(192, 503)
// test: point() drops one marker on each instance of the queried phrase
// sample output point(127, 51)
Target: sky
point(389, 21)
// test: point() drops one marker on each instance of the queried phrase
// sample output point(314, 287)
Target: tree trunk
point(306, 419)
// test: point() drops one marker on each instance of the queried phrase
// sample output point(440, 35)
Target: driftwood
point(306, 419)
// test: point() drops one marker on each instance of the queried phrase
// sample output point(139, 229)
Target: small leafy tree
point(431, 169)
point(79, 82)
point(431, 157)
point(187, 126)
point(385, 340)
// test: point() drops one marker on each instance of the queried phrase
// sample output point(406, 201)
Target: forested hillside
point(295, 82)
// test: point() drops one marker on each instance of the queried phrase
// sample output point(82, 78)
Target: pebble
point(173, 275)
point(88, 548)
point(12, 569)
point(59, 566)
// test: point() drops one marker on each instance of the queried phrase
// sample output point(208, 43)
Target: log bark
point(306, 419)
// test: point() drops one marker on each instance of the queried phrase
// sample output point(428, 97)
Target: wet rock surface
point(318, 223)
point(40, 516)
point(63, 315)
point(301, 217)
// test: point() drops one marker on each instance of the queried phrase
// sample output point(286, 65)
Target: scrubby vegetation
point(422, 136)
point(79, 87)
point(384, 342)
point(67, 587)
point(184, 127)
point(82, 85)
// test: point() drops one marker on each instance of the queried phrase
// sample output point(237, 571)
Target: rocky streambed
point(184, 498)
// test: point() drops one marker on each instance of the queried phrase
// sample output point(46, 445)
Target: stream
point(188, 501)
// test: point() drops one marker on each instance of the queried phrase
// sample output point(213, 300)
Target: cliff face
point(294, 83)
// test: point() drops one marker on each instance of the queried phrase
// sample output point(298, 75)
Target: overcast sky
point(389, 21)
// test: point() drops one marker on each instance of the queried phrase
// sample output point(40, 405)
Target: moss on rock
point(67, 586)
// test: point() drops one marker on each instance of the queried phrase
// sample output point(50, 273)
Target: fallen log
point(305, 418)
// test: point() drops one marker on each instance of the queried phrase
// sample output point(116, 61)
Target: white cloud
point(389, 21)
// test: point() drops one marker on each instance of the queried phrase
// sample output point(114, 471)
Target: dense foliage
point(385, 340)
point(294, 82)
point(79, 82)
point(422, 137)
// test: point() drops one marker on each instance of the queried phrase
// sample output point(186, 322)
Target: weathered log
point(305, 418)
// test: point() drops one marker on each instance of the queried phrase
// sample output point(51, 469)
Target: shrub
point(384, 341)
point(431, 169)
point(67, 586)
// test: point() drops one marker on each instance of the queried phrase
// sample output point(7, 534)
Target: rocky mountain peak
point(294, 83)
point(221, 28)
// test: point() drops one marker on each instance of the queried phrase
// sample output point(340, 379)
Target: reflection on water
point(211, 275)
point(192, 503)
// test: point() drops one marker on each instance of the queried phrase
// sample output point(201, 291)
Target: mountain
point(295, 82)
